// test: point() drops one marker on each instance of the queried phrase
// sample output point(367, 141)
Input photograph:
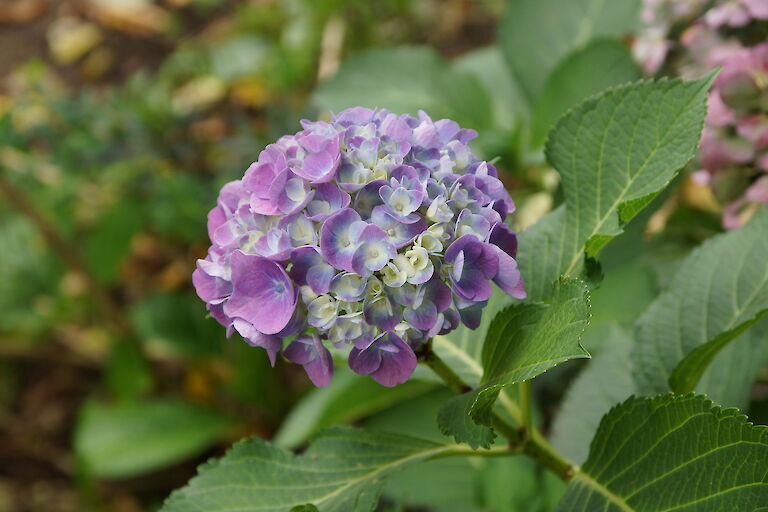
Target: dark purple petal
point(367, 198)
point(314, 357)
point(508, 277)
point(262, 293)
point(422, 317)
point(504, 238)
point(388, 359)
point(474, 263)
point(451, 321)
point(382, 312)
point(303, 258)
point(473, 314)
point(438, 293)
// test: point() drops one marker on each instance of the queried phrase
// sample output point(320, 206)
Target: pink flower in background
point(733, 158)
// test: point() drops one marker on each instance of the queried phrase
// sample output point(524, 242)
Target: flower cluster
point(690, 37)
point(373, 232)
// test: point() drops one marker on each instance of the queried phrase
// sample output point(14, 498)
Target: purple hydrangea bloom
point(368, 235)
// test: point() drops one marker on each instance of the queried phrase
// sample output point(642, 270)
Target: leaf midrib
point(596, 486)
point(630, 182)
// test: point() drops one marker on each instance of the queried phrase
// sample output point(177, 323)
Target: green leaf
point(404, 80)
point(176, 324)
point(614, 152)
point(349, 397)
point(460, 484)
point(604, 382)
point(523, 341)
point(526, 340)
point(441, 484)
point(731, 375)
point(587, 71)
point(461, 349)
point(488, 66)
point(342, 470)
point(672, 454)
point(108, 244)
point(132, 438)
point(127, 373)
point(719, 291)
point(536, 34)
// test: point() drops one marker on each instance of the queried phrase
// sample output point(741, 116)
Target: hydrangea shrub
point(373, 232)
point(690, 37)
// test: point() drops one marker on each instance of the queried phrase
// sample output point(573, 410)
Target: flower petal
point(262, 293)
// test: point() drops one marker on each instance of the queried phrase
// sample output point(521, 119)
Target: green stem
point(442, 370)
point(524, 397)
point(539, 449)
point(512, 408)
point(526, 440)
point(457, 385)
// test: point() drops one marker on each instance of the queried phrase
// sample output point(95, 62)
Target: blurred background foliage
point(119, 122)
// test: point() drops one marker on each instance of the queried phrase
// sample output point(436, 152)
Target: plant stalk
point(525, 397)
point(526, 439)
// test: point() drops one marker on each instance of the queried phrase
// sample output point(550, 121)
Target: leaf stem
point(527, 439)
point(524, 398)
point(539, 449)
point(457, 385)
point(442, 370)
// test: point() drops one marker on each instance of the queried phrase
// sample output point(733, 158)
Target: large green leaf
point(461, 484)
point(719, 291)
point(176, 324)
point(342, 470)
point(523, 341)
point(614, 153)
point(672, 454)
point(536, 34)
point(599, 65)
point(127, 439)
point(488, 66)
point(349, 397)
point(109, 243)
point(407, 79)
point(607, 380)
point(731, 375)
point(604, 382)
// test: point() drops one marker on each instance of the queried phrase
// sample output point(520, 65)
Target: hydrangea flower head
point(369, 234)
